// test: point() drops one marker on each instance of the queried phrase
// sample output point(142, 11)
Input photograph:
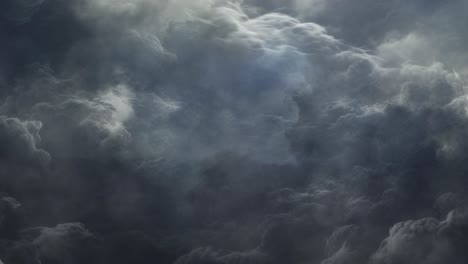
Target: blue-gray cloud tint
point(230, 131)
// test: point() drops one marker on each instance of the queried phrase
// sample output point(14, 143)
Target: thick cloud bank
point(233, 131)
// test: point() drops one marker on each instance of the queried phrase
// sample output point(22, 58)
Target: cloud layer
point(230, 131)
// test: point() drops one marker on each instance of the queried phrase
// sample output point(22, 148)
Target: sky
point(233, 131)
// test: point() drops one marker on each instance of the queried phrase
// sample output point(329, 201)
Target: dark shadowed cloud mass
point(233, 132)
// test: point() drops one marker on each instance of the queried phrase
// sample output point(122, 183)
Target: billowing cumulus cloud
point(230, 131)
point(427, 240)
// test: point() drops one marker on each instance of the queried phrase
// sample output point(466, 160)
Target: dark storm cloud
point(304, 131)
point(19, 12)
point(20, 140)
point(207, 255)
point(426, 240)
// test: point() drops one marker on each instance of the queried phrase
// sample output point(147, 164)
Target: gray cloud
point(425, 240)
point(20, 140)
point(19, 11)
point(207, 255)
point(232, 131)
